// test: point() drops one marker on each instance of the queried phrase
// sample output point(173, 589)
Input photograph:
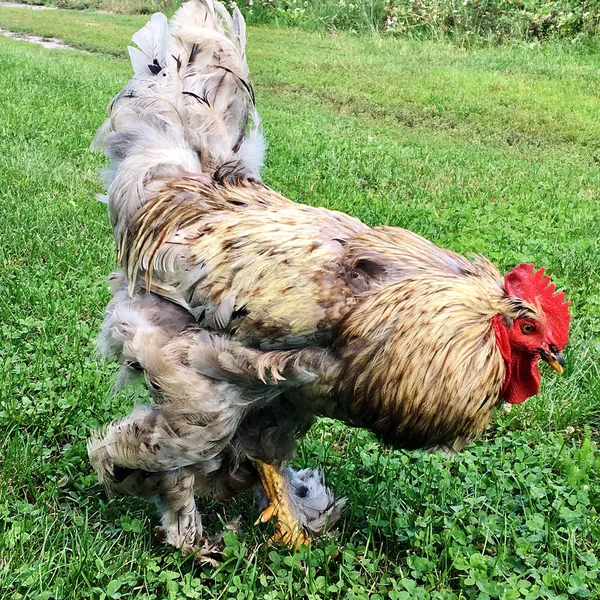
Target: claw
point(266, 515)
point(207, 555)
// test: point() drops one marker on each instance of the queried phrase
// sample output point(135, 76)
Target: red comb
point(533, 287)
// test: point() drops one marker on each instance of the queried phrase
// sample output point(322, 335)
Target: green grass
point(490, 150)
point(96, 32)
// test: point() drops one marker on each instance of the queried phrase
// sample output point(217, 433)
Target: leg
point(128, 461)
point(180, 521)
point(288, 529)
point(181, 525)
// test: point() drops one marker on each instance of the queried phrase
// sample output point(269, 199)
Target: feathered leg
point(300, 502)
point(181, 524)
point(123, 457)
point(180, 521)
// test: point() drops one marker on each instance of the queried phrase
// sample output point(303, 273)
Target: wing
point(389, 254)
point(244, 260)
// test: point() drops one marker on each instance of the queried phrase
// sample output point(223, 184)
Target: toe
point(266, 515)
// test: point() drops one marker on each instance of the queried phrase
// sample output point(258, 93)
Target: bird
point(249, 315)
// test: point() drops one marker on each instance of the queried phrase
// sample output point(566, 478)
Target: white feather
point(188, 109)
point(153, 42)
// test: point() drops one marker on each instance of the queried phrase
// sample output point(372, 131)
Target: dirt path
point(36, 39)
point(31, 6)
point(46, 42)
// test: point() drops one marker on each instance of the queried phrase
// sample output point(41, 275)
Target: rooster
point(249, 314)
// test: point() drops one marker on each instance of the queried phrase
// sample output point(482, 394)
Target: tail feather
point(209, 45)
point(153, 43)
point(189, 107)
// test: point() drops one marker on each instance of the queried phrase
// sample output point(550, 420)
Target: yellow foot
point(288, 531)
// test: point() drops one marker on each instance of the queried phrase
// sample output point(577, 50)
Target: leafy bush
point(144, 7)
point(499, 19)
point(347, 15)
point(495, 20)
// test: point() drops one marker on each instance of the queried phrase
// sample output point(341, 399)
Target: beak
point(553, 358)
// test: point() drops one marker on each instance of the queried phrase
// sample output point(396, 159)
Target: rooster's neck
point(421, 366)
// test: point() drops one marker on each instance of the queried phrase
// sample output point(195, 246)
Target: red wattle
point(524, 380)
point(522, 371)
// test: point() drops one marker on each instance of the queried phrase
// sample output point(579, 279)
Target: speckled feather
point(247, 314)
point(409, 322)
point(237, 257)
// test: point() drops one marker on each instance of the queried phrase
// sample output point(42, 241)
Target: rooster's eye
point(527, 328)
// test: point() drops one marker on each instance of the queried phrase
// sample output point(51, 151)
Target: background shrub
point(498, 19)
point(493, 20)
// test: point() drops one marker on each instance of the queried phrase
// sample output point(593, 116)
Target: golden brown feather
point(247, 314)
point(410, 323)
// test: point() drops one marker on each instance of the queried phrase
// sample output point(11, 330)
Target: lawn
point(492, 150)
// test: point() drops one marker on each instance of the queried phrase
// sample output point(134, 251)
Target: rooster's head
point(538, 329)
